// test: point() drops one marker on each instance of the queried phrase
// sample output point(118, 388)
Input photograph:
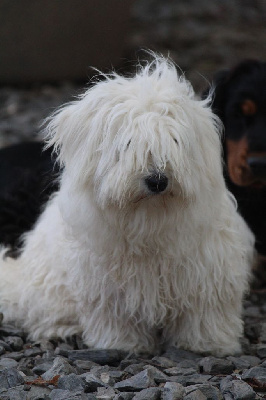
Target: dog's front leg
point(103, 329)
point(214, 329)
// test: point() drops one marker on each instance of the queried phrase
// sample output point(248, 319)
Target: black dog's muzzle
point(257, 165)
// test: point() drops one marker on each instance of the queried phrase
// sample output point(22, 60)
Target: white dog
point(142, 236)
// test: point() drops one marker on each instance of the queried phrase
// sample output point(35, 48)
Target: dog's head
point(240, 102)
point(139, 138)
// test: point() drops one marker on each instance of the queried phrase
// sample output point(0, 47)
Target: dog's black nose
point(157, 182)
point(258, 166)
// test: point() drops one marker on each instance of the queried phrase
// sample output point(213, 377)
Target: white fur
point(117, 263)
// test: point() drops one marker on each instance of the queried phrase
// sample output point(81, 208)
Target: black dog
point(27, 179)
point(240, 101)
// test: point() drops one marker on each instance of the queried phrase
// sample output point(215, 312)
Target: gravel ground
point(68, 370)
point(201, 40)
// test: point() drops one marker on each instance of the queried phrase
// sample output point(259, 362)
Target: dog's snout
point(156, 182)
point(258, 166)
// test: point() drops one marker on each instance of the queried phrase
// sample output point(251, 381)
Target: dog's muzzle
point(257, 166)
point(156, 183)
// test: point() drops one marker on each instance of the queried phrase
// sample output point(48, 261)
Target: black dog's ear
point(223, 79)
point(244, 68)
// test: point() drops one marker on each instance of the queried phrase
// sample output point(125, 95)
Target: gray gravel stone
point(180, 371)
point(102, 357)
point(40, 369)
point(15, 342)
point(196, 379)
point(263, 364)
point(92, 382)
point(236, 389)
point(39, 393)
point(124, 396)
point(164, 362)
point(10, 330)
point(10, 377)
point(259, 373)
point(239, 363)
point(105, 393)
point(242, 391)
point(188, 364)
point(253, 360)
point(15, 355)
point(33, 352)
point(7, 363)
point(173, 391)
point(156, 374)
point(5, 345)
point(215, 365)
point(143, 380)
point(60, 394)
point(148, 394)
point(62, 349)
point(45, 345)
point(60, 367)
point(210, 392)
point(195, 395)
point(71, 382)
point(16, 393)
point(86, 365)
point(134, 369)
point(117, 375)
point(178, 355)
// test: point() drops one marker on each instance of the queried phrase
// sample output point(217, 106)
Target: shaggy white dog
point(142, 236)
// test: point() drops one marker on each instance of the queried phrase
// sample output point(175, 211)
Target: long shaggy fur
point(116, 261)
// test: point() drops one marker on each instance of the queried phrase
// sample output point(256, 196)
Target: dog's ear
point(244, 68)
point(217, 91)
point(60, 132)
point(222, 81)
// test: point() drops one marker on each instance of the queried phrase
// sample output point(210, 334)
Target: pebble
point(180, 371)
point(173, 391)
point(7, 363)
point(239, 363)
point(215, 365)
point(10, 377)
point(71, 382)
point(179, 355)
point(237, 389)
point(42, 368)
point(137, 382)
point(195, 395)
point(211, 392)
point(102, 357)
point(60, 394)
point(92, 382)
point(148, 394)
point(15, 342)
point(60, 367)
point(124, 396)
point(259, 373)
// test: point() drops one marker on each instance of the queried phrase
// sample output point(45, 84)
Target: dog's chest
point(148, 289)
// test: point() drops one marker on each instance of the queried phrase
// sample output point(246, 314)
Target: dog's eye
point(248, 107)
point(128, 143)
point(175, 140)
